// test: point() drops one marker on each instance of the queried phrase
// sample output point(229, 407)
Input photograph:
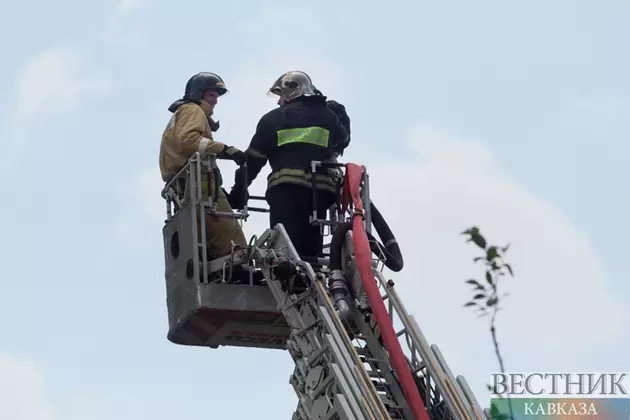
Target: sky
point(512, 116)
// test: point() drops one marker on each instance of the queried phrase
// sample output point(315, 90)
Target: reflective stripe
point(300, 177)
point(300, 181)
point(312, 135)
point(204, 183)
point(203, 144)
point(300, 173)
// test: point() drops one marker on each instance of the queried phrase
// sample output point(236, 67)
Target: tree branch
point(493, 260)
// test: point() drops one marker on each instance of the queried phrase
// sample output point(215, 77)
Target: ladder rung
point(421, 366)
point(308, 327)
point(297, 301)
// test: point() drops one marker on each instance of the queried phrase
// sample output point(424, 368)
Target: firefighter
point(302, 129)
point(190, 130)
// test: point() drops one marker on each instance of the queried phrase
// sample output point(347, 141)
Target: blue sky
point(514, 117)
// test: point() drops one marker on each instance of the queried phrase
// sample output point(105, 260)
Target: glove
point(239, 195)
point(235, 154)
point(214, 125)
point(238, 198)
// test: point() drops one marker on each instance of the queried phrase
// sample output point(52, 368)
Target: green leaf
point(472, 281)
point(492, 301)
point(479, 296)
point(489, 278)
point(480, 287)
point(479, 240)
point(476, 259)
point(471, 231)
point(470, 304)
point(492, 253)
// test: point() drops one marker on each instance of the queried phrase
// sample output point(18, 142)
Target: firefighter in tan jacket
point(190, 130)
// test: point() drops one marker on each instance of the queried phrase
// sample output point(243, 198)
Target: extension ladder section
point(443, 396)
point(344, 367)
point(328, 378)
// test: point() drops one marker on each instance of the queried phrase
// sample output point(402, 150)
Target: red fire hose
point(363, 254)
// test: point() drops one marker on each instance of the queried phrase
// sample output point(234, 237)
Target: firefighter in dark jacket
point(301, 130)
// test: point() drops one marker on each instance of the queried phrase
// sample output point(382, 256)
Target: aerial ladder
point(358, 353)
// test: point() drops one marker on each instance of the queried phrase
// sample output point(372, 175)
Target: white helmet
point(293, 84)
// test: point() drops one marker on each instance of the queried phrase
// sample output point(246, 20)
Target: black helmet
point(201, 82)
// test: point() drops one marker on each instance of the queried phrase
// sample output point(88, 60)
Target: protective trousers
point(291, 205)
point(220, 231)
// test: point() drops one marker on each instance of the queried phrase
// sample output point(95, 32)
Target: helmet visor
point(276, 88)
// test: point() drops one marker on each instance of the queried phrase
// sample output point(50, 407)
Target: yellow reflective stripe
point(312, 135)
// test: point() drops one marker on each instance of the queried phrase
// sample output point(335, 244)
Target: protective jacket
point(187, 132)
point(290, 137)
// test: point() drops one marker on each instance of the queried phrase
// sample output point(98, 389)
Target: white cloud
point(145, 210)
point(25, 396)
point(123, 30)
point(54, 81)
point(22, 391)
point(559, 296)
point(51, 83)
